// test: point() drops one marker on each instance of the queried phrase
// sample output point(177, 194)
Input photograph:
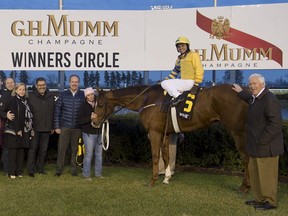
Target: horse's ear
point(99, 90)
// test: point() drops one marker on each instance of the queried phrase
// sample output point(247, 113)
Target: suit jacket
point(42, 107)
point(264, 125)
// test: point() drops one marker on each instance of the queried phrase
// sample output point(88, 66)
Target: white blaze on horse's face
point(97, 121)
point(100, 111)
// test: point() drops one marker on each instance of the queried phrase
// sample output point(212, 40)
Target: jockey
point(189, 66)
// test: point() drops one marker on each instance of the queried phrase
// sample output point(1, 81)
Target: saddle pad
point(185, 108)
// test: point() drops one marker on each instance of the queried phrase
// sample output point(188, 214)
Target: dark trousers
point(37, 152)
point(4, 156)
point(15, 158)
point(67, 137)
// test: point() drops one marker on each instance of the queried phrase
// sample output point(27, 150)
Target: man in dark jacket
point(2, 120)
point(66, 124)
point(6, 114)
point(264, 141)
point(41, 103)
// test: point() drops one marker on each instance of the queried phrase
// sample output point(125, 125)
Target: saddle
point(184, 108)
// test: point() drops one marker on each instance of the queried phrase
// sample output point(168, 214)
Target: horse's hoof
point(165, 182)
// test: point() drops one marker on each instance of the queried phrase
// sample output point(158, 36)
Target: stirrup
point(177, 100)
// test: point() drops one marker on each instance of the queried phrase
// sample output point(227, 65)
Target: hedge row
point(210, 147)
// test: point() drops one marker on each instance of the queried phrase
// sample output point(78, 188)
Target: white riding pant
point(175, 87)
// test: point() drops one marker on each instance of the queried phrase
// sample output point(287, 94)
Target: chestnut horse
point(218, 103)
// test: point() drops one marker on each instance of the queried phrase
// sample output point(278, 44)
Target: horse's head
point(133, 98)
point(102, 109)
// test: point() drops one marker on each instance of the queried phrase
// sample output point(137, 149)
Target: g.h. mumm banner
point(239, 37)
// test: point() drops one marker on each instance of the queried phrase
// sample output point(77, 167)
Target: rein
point(135, 98)
point(105, 122)
point(105, 135)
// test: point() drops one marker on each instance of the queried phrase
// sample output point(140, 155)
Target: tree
point(86, 79)
point(52, 81)
point(106, 78)
point(123, 78)
point(118, 79)
point(24, 77)
point(3, 75)
point(112, 79)
point(91, 82)
point(238, 76)
point(140, 79)
point(281, 82)
point(128, 78)
point(13, 75)
point(97, 78)
point(134, 78)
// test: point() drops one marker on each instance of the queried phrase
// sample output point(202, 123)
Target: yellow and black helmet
point(182, 40)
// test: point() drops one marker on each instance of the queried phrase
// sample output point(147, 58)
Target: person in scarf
point(22, 123)
point(91, 136)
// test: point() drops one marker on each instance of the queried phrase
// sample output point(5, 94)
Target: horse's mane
point(133, 90)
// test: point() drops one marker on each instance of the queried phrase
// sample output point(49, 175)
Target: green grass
point(124, 191)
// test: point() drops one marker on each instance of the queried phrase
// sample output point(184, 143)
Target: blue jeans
point(92, 142)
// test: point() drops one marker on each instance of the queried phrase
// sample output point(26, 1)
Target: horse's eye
point(100, 103)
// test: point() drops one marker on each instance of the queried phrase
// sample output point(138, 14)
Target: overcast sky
point(271, 75)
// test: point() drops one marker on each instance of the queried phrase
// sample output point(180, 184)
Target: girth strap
point(174, 120)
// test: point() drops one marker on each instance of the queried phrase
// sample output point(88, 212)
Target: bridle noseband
point(105, 117)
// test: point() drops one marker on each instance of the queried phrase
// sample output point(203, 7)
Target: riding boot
point(178, 100)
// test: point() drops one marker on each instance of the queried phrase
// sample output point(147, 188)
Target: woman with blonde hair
point(22, 124)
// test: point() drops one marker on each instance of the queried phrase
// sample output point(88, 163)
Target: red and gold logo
point(253, 47)
point(220, 28)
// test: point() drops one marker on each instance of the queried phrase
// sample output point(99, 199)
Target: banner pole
point(214, 71)
point(61, 73)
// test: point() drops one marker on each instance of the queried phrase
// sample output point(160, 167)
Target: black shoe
point(58, 174)
point(31, 175)
point(43, 173)
point(252, 202)
point(264, 206)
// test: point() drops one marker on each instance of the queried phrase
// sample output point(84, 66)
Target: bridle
point(105, 123)
point(105, 117)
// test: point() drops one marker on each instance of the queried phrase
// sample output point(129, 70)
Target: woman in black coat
point(22, 123)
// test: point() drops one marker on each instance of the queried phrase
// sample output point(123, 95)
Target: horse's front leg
point(165, 156)
point(155, 142)
point(245, 187)
point(240, 142)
